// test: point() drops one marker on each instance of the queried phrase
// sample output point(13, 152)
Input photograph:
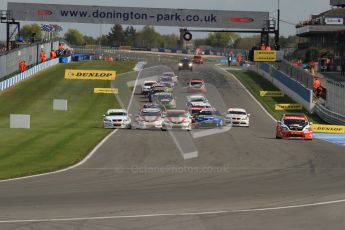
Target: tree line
point(148, 37)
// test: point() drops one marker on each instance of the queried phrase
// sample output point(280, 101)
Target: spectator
point(342, 73)
point(43, 56)
point(317, 87)
point(52, 54)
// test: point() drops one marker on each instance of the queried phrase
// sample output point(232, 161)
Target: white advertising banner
point(334, 21)
point(138, 16)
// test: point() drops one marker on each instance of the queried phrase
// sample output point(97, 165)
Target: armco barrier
point(17, 78)
point(289, 86)
point(328, 115)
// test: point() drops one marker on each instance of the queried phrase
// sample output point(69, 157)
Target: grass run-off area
point(255, 83)
point(57, 139)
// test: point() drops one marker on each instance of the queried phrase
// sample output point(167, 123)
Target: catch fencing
point(329, 116)
point(9, 61)
point(300, 75)
point(290, 86)
point(333, 109)
point(19, 77)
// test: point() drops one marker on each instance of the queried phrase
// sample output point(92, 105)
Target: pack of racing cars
point(160, 112)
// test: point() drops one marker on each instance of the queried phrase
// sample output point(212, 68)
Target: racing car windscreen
point(237, 112)
point(165, 96)
point(150, 113)
point(177, 115)
point(209, 113)
point(149, 83)
point(166, 78)
point(197, 100)
point(196, 84)
point(297, 122)
point(117, 114)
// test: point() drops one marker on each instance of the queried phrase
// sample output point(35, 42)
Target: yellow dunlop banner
point(328, 128)
point(288, 107)
point(106, 90)
point(265, 55)
point(89, 74)
point(271, 94)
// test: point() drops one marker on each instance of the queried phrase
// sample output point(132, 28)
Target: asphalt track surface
point(240, 179)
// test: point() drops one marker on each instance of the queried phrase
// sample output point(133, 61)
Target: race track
point(242, 178)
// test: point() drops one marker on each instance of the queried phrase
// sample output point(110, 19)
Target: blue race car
point(209, 117)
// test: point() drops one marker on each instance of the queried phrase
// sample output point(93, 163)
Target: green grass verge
point(57, 139)
point(255, 83)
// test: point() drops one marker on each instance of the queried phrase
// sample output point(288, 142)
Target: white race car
point(145, 88)
point(180, 119)
point(196, 100)
point(172, 75)
point(237, 117)
point(116, 118)
point(150, 118)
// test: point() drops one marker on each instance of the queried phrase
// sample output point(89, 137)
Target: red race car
point(197, 85)
point(197, 59)
point(294, 126)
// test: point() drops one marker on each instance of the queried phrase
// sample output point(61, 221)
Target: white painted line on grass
point(173, 214)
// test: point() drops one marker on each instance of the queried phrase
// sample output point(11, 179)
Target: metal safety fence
point(19, 77)
point(300, 75)
point(328, 115)
point(9, 61)
point(335, 96)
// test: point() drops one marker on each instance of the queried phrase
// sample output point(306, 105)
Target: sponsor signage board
point(106, 90)
point(339, 129)
point(89, 74)
point(334, 21)
point(288, 107)
point(271, 94)
point(265, 55)
point(138, 15)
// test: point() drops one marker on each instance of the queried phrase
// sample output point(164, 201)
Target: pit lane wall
point(288, 85)
point(20, 77)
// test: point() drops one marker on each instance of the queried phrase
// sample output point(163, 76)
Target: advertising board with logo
point(271, 94)
point(334, 21)
point(106, 90)
point(90, 74)
point(338, 129)
point(288, 107)
point(265, 55)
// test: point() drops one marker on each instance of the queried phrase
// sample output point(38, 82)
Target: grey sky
point(291, 10)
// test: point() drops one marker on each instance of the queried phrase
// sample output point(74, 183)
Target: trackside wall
point(289, 86)
point(9, 61)
point(19, 77)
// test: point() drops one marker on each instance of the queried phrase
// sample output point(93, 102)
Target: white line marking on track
point(172, 214)
point(209, 132)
